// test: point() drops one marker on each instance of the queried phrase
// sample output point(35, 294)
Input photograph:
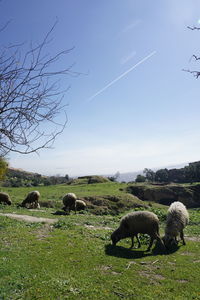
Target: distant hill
point(131, 176)
point(17, 177)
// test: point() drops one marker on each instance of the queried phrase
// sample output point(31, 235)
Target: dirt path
point(30, 218)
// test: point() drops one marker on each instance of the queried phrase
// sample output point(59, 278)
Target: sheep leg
point(182, 237)
point(160, 241)
point(139, 244)
point(132, 242)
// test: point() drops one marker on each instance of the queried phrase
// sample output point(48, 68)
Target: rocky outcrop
point(189, 195)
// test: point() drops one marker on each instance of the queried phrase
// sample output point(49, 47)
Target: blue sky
point(147, 118)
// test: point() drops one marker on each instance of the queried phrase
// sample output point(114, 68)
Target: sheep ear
point(126, 225)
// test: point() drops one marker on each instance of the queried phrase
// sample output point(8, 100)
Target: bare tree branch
point(30, 97)
point(196, 74)
point(193, 28)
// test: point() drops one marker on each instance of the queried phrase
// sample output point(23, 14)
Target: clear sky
point(133, 106)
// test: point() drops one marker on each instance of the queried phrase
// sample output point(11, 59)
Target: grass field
point(74, 258)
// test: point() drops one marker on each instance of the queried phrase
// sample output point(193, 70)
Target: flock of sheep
point(131, 225)
point(70, 201)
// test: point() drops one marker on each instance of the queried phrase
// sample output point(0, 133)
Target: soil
point(30, 219)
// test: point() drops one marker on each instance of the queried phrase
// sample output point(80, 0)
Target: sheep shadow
point(59, 213)
point(160, 250)
point(122, 252)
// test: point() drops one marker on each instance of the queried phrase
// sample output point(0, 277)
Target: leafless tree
point(31, 99)
point(196, 73)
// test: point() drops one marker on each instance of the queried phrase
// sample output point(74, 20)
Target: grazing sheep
point(80, 205)
point(31, 200)
point(5, 198)
point(69, 201)
point(137, 222)
point(177, 219)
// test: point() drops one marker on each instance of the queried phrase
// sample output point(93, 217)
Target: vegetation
point(101, 198)
point(3, 167)
point(74, 257)
point(19, 178)
point(188, 174)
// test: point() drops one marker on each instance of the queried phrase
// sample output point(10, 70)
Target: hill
point(18, 178)
point(188, 194)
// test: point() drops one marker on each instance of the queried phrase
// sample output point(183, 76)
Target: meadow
point(74, 258)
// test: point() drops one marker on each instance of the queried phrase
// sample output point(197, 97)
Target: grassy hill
point(74, 258)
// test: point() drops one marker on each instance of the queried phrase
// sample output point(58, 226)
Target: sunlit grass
point(74, 258)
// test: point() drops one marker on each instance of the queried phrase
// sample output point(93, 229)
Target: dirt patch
point(151, 276)
point(30, 219)
point(43, 232)
point(130, 264)
point(108, 270)
point(96, 228)
point(105, 268)
point(182, 281)
point(193, 238)
point(115, 273)
point(187, 253)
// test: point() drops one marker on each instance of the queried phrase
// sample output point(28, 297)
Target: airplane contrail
point(121, 76)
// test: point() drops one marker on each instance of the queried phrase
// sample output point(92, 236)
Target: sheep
point(177, 219)
point(5, 198)
point(137, 222)
point(31, 200)
point(69, 201)
point(80, 205)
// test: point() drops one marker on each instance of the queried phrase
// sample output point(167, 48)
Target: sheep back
point(5, 198)
point(137, 222)
point(69, 201)
point(31, 200)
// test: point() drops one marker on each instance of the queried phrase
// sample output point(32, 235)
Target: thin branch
point(30, 97)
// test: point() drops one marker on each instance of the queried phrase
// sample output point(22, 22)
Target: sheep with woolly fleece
point(5, 198)
point(177, 219)
point(80, 205)
point(137, 222)
point(69, 201)
point(31, 200)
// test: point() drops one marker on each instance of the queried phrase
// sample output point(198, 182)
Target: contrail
point(121, 76)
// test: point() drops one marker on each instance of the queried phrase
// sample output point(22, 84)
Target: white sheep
point(5, 198)
point(69, 201)
point(177, 219)
point(137, 222)
point(31, 200)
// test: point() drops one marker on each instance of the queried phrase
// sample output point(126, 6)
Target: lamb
point(31, 200)
point(5, 198)
point(177, 219)
point(69, 201)
point(80, 205)
point(137, 222)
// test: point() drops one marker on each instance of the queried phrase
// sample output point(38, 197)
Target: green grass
point(101, 198)
point(74, 258)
